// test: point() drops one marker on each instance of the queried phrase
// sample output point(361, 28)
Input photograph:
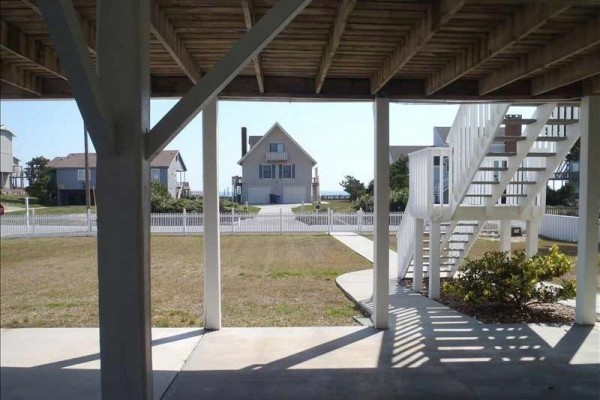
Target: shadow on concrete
point(65, 379)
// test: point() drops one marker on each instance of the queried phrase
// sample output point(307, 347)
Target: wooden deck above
point(446, 50)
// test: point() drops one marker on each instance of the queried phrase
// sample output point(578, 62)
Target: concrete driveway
point(274, 208)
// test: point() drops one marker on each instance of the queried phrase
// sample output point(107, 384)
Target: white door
point(258, 194)
point(294, 194)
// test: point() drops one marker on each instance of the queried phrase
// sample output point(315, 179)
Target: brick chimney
point(244, 141)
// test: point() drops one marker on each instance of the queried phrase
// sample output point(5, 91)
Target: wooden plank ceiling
point(428, 50)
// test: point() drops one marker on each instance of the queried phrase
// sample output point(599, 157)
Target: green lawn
point(266, 281)
point(335, 205)
point(57, 210)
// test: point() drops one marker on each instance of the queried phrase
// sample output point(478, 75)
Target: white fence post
point(280, 221)
point(184, 222)
point(33, 221)
point(360, 219)
point(232, 220)
point(27, 215)
point(329, 219)
point(89, 220)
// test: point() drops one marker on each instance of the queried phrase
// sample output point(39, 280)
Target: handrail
point(405, 242)
point(430, 178)
point(470, 137)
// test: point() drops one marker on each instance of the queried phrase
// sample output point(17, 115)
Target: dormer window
point(276, 148)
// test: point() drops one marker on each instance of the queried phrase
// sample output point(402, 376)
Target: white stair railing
point(430, 182)
point(470, 137)
point(405, 242)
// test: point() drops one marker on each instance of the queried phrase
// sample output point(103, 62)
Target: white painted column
point(505, 227)
point(589, 200)
point(123, 194)
point(418, 256)
point(531, 237)
point(212, 239)
point(381, 265)
point(434, 260)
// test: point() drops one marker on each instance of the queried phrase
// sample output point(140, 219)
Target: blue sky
point(338, 135)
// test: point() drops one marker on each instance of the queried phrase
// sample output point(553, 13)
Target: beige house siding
point(295, 155)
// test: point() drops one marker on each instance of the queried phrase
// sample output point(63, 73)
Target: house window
point(155, 175)
point(266, 171)
point(276, 148)
point(81, 174)
point(287, 171)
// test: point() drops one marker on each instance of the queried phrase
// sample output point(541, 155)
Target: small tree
point(41, 179)
point(517, 281)
point(353, 187)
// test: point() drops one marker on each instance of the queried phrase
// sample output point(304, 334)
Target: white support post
point(330, 220)
point(589, 201)
point(434, 260)
point(212, 240)
point(124, 220)
point(381, 265)
point(89, 220)
point(418, 256)
point(505, 227)
point(33, 222)
point(531, 237)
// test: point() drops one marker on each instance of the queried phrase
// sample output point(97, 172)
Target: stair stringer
point(552, 163)
point(532, 131)
point(468, 246)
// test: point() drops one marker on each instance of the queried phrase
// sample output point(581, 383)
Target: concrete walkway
point(274, 208)
point(364, 247)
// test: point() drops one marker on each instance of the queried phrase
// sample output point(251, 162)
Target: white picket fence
point(191, 223)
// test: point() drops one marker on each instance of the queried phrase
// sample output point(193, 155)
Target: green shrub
point(516, 280)
point(398, 201)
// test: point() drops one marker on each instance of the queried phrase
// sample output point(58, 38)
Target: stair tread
point(540, 154)
point(521, 121)
point(551, 139)
point(478, 195)
point(493, 168)
point(502, 138)
point(531, 168)
point(565, 121)
point(514, 195)
point(501, 154)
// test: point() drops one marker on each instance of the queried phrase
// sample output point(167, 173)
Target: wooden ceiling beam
point(28, 49)
point(525, 21)
point(20, 78)
point(576, 41)
point(88, 28)
point(164, 32)
point(414, 41)
point(342, 14)
point(248, 10)
point(577, 70)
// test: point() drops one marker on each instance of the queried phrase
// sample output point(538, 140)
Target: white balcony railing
point(431, 181)
point(277, 156)
point(470, 138)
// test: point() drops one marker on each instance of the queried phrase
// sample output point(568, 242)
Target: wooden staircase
point(508, 171)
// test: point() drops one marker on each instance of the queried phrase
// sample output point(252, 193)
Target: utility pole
point(87, 171)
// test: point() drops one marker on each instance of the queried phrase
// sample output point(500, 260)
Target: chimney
point(244, 141)
point(512, 127)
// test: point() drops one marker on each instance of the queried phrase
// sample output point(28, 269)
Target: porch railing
point(430, 182)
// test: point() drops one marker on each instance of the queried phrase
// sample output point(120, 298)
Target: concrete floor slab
point(64, 363)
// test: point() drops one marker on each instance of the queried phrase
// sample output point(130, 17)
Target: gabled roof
point(7, 129)
point(397, 151)
point(271, 130)
point(77, 160)
point(442, 132)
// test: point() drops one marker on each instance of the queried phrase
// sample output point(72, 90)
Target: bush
point(162, 202)
point(516, 280)
point(398, 201)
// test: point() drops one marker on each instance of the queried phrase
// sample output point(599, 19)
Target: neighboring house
point(276, 169)
point(167, 169)
point(11, 170)
point(440, 134)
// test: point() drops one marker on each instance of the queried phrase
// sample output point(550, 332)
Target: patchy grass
point(57, 210)
point(267, 281)
point(335, 205)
